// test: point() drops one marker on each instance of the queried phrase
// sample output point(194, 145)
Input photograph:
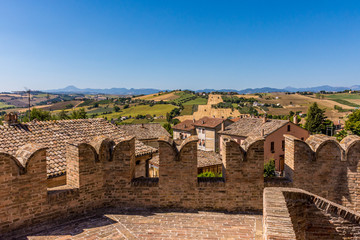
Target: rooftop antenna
point(29, 93)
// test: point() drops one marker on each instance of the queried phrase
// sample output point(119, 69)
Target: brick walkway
point(153, 225)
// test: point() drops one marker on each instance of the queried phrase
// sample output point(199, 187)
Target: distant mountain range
point(116, 91)
point(138, 91)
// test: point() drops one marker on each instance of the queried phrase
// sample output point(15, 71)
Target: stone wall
point(102, 174)
point(325, 167)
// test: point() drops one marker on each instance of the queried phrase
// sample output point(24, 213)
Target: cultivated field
point(158, 110)
point(160, 96)
point(297, 102)
point(346, 98)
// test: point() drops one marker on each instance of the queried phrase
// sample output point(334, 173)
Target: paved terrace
point(158, 225)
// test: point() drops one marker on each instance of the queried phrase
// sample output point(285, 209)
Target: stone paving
point(157, 225)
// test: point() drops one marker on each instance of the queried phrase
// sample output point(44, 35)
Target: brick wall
point(101, 174)
point(291, 213)
point(324, 167)
point(23, 191)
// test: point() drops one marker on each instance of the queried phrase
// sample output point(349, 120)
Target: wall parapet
point(292, 213)
point(100, 174)
point(325, 167)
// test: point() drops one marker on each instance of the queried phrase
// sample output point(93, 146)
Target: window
point(283, 145)
point(288, 128)
point(272, 147)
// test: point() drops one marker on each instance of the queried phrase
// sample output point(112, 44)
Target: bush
point(269, 168)
point(210, 174)
point(68, 106)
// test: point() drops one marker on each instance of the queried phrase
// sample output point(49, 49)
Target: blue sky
point(178, 44)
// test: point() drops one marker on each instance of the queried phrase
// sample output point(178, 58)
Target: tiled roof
point(208, 122)
point(204, 159)
point(145, 131)
point(246, 127)
point(186, 125)
point(208, 158)
point(143, 149)
point(55, 135)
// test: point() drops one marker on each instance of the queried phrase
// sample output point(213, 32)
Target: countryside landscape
point(189, 120)
point(164, 106)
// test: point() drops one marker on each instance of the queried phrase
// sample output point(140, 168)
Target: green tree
point(353, 122)
point(78, 114)
point(116, 109)
point(68, 106)
point(40, 115)
point(175, 121)
point(62, 115)
point(168, 128)
point(269, 168)
point(315, 119)
point(341, 135)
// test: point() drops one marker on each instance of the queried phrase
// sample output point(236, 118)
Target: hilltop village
point(127, 167)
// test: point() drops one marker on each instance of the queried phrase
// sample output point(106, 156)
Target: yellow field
point(163, 96)
point(296, 102)
point(300, 101)
point(248, 96)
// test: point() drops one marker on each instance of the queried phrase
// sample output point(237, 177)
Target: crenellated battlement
point(100, 174)
point(324, 166)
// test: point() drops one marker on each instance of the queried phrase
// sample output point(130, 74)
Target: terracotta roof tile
point(246, 127)
point(145, 131)
point(56, 134)
point(208, 122)
point(186, 125)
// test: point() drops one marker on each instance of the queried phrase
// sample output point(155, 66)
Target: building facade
point(272, 130)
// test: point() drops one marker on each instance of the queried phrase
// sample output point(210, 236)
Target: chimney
point(264, 118)
point(142, 125)
point(10, 119)
point(262, 132)
point(295, 119)
point(193, 120)
point(222, 126)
